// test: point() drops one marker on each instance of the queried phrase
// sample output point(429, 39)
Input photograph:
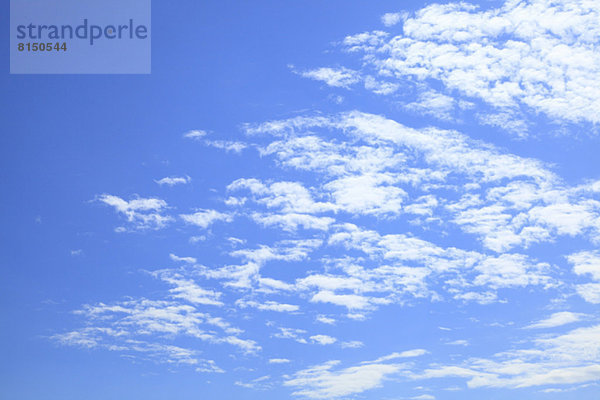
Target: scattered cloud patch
point(140, 213)
point(189, 260)
point(323, 339)
point(336, 77)
point(205, 218)
point(587, 264)
point(195, 134)
point(325, 382)
point(278, 361)
point(227, 145)
point(391, 19)
point(557, 319)
point(567, 358)
point(267, 306)
point(352, 344)
point(174, 180)
point(523, 55)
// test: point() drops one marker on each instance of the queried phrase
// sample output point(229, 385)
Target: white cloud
point(85, 337)
point(442, 149)
point(352, 344)
point(590, 292)
point(189, 260)
point(227, 145)
point(323, 339)
point(390, 19)
point(330, 282)
point(261, 383)
point(138, 204)
point(534, 205)
point(209, 366)
point(336, 77)
point(424, 397)
point(286, 250)
point(587, 263)
point(174, 180)
point(197, 239)
point(270, 284)
point(267, 305)
point(508, 121)
point(138, 349)
point(502, 199)
point(292, 221)
point(205, 218)
point(478, 297)
point(509, 270)
point(356, 316)
point(367, 194)
point(557, 319)
point(423, 205)
point(404, 354)
point(323, 382)
point(459, 342)
point(245, 275)
point(187, 289)
point(291, 333)
point(120, 324)
point(278, 361)
point(147, 325)
point(563, 359)
point(532, 54)
point(435, 104)
point(355, 211)
point(195, 134)
point(380, 87)
point(288, 197)
point(325, 320)
point(350, 301)
point(141, 213)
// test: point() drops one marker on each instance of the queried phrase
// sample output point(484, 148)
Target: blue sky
point(311, 200)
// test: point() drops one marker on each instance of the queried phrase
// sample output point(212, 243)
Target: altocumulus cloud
point(353, 215)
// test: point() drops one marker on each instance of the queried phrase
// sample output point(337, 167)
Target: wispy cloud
point(557, 319)
point(587, 263)
point(325, 382)
point(336, 77)
point(141, 213)
point(568, 358)
point(521, 55)
point(278, 361)
point(227, 145)
point(390, 19)
point(189, 260)
point(174, 180)
point(205, 218)
point(195, 134)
